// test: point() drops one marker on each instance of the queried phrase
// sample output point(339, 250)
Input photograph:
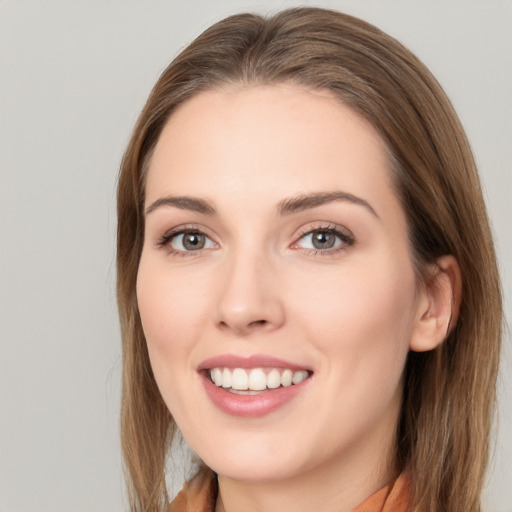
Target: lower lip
point(251, 406)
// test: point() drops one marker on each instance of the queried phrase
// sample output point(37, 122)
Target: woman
point(306, 278)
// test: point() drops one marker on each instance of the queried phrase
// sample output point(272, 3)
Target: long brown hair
point(449, 393)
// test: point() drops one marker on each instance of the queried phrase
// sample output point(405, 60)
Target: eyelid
point(344, 234)
point(163, 241)
point(175, 241)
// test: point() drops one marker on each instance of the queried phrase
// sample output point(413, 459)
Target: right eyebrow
point(183, 203)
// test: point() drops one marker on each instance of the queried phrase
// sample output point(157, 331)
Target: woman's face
point(276, 257)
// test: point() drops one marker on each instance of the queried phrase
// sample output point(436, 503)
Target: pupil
point(323, 240)
point(193, 241)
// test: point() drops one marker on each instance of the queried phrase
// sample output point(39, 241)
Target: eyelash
point(167, 238)
point(346, 239)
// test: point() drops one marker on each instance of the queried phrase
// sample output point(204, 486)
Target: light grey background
point(73, 77)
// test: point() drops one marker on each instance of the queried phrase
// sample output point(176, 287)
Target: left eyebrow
point(306, 201)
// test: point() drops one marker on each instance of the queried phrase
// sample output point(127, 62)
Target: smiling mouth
point(257, 380)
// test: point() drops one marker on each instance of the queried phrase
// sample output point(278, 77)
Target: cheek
point(168, 306)
point(169, 303)
point(362, 317)
point(168, 315)
point(364, 329)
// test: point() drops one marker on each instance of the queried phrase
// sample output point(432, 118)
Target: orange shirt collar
point(199, 495)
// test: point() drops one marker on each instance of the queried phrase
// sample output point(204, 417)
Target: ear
point(438, 305)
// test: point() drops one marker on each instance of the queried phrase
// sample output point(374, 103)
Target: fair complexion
point(273, 232)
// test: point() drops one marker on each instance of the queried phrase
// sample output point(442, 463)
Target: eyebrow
point(307, 201)
point(183, 203)
point(285, 207)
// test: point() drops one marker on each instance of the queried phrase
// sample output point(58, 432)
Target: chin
point(256, 457)
point(255, 471)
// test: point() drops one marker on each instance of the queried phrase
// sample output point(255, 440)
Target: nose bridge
point(249, 297)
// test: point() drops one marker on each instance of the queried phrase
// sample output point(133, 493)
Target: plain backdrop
point(73, 77)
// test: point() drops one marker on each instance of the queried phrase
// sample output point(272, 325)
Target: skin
point(349, 315)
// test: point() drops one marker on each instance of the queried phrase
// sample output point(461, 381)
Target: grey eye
point(320, 239)
point(323, 239)
point(191, 241)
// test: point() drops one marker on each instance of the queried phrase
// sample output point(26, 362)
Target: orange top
point(200, 493)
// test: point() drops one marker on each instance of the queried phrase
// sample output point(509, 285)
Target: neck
point(334, 487)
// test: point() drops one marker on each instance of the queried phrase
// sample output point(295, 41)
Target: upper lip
point(254, 361)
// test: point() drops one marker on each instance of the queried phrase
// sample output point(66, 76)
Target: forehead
point(269, 142)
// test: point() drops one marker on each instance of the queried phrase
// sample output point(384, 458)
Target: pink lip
point(255, 361)
point(249, 406)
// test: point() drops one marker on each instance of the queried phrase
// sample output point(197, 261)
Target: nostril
point(258, 323)
point(245, 328)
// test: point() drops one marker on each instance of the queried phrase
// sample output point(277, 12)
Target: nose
point(250, 299)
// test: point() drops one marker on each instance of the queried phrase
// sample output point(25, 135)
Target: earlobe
point(438, 306)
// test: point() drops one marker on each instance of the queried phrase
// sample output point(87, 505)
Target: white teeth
point(298, 377)
point(226, 379)
point(239, 379)
point(286, 378)
point(217, 376)
point(257, 380)
point(273, 379)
